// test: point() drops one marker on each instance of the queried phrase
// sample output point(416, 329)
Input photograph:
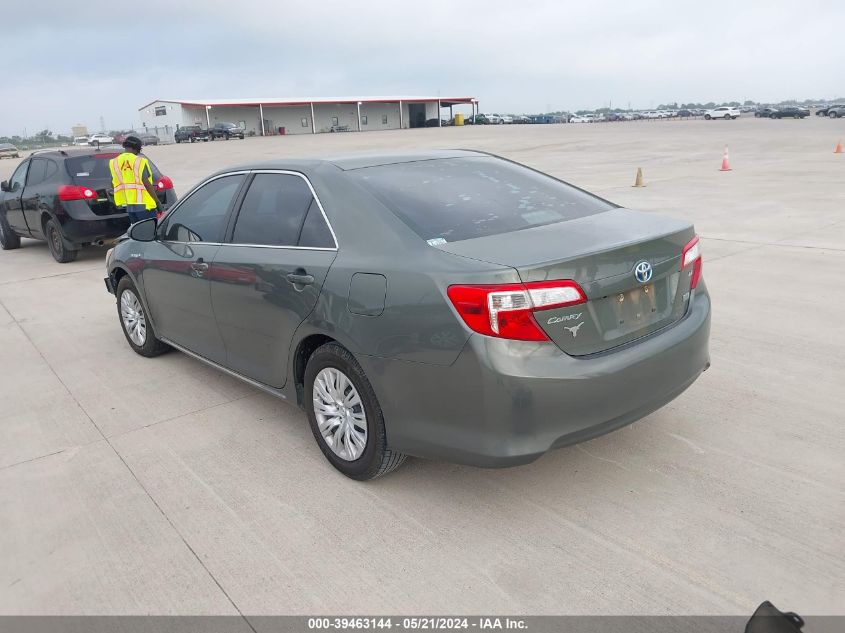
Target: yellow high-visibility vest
point(127, 170)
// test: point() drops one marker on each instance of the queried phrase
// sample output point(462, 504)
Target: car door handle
point(300, 279)
point(199, 267)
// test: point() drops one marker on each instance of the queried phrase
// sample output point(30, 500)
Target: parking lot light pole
point(208, 117)
point(359, 116)
point(439, 123)
point(261, 115)
point(400, 114)
point(313, 125)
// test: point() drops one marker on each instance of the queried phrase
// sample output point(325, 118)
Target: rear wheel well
point(45, 217)
point(304, 350)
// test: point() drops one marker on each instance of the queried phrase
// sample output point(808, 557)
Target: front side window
point(201, 217)
point(463, 198)
point(273, 211)
point(19, 177)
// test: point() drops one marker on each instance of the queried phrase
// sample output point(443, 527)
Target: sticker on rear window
point(437, 241)
point(82, 174)
point(541, 217)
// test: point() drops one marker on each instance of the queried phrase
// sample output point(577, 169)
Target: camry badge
point(574, 329)
point(643, 272)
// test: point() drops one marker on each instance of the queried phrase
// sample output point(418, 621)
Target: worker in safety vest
point(132, 178)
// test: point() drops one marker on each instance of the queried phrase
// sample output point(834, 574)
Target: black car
point(227, 131)
point(148, 139)
point(190, 133)
point(789, 112)
point(66, 199)
point(764, 113)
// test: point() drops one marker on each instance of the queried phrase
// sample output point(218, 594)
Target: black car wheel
point(708, 117)
point(136, 326)
point(345, 415)
point(9, 240)
point(60, 252)
point(832, 114)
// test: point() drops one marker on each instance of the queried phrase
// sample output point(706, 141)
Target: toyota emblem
point(643, 272)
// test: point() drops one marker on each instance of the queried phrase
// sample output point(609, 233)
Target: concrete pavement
point(197, 494)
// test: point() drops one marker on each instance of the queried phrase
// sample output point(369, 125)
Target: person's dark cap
point(132, 142)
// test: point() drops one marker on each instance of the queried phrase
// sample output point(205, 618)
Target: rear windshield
point(449, 200)
point(95, 167)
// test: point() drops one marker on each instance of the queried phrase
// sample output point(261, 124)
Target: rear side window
point(315, 231)
point(449, 200)
point(273, 211)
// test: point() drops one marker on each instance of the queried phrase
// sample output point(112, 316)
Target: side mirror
point(4, 186)
point(143, 231)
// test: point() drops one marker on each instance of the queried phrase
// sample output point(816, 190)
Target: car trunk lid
point(601, 253)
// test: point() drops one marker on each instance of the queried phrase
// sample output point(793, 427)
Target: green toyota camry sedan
point(447, 305)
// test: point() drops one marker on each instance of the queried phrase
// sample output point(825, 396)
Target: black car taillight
point(74, 192)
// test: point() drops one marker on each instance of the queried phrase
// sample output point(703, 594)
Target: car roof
point(70, 152)
point(358, 161)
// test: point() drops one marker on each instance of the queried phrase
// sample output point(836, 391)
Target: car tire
point(9, 240)
point(832, 114)
point(133, 319)
point(60, 252)
point(333, 364)
point(708, 117)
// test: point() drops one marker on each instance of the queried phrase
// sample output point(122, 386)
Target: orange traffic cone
point(638, 181)
point(726, 165)
point(838, 149)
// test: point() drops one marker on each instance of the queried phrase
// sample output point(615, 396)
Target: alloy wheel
point(340, 414)
point(132, 315)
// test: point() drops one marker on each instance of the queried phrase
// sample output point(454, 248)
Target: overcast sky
point(67, 62)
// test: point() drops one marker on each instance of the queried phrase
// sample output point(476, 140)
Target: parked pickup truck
point(227, 131)
point(190, 133)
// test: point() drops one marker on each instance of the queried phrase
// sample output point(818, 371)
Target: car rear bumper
point(505, 403)
point(87, 231)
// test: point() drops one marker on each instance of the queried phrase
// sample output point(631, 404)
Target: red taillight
point(691, 256)
point(505, 311)
point(73, 192)
point(164, 183)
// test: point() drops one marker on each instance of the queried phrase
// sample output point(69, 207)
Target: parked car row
point(99, 139)
point(193, 133)
point(826, 110)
